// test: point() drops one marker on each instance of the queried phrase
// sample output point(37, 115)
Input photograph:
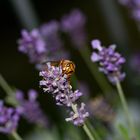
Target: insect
point(68, 67)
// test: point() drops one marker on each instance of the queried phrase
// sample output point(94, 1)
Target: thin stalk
point(10, 98)
point(16, 136)
point(5, 86)
point(88, 132)
point(26, 13)
point(85, 128)
point(94, 132)
point(125, 107)
point(115, 26)
point(102, 82)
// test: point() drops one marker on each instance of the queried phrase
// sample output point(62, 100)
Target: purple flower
point(78, 117)
point(55, 46)
point(43, 44)
point(9, 118)
point(53, 80)
point(33, 45)
point(67, 98)
point(30, 108)
point(134, 6)
point(74, 25)
point(110, 61)
point(50, 32)
point(56, 83)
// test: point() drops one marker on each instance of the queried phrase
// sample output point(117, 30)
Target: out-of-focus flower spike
point(101, 109)
point(30, 108)
point(9, 118)
point(134, 8)
point(74, 25)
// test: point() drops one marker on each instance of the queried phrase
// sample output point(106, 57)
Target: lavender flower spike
point(33, 45)
point(9, 118)
point(78, 118)
point(74, 25)
point(43, 44)
point(56, 83)
point(50, 32)
point(31, 109)
point(54, 43)
point(134, 8)
point(110, 62)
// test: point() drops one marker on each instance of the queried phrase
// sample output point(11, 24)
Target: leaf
point(124, 132)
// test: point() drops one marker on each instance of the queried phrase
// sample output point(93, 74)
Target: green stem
point(88, 132)
point(10, 98)
point(26, 13)
point(16, 136)
point(86, 129)
point(94, 132)
point(5, 86)
point(116, 27)
point(125, 107)
point(104, 85)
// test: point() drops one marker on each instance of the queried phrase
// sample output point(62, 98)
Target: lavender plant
point(9, 119)
point(31, 109)
point(55, 82)
point(27, 108)
point(42, 44)
point(110, 63)
point(74, 25)
point(133, 6)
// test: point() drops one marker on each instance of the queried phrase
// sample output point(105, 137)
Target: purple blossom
point(78, 117)
point(9, 118)
point(30, 108)
point(110, 61)
point(53, 80)
point(43, 44)
point(50, 32)
point(67, 98)
point(134, 6)
point(74, 25)
point(33, 45)
point(56, 83)
point(55, 46)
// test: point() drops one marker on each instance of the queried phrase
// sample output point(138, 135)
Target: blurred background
point(14, 65)
point(106, 20)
